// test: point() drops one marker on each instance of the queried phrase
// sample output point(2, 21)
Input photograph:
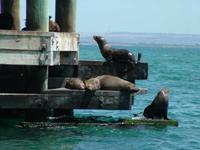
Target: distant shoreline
point(145, 39)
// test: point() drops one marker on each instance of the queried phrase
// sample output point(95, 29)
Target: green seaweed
point(102, 121)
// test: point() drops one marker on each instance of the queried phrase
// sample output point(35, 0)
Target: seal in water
point(75, 83)
point(159, 107)
point(108, 82)
point(114, 54)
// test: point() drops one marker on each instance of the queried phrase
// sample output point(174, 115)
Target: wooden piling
point(37, 15)
point(12, 7)
point(66, 15)
point(38, 20)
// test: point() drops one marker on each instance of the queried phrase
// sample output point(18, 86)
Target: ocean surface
point(177, 69)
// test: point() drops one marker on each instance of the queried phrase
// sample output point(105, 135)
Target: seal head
point(75, 83)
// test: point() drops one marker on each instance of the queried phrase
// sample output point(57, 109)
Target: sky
point(146, 16)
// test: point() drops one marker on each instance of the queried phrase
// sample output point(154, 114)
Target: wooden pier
point(34, 65)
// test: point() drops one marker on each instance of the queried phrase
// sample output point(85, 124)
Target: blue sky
point(147, 16)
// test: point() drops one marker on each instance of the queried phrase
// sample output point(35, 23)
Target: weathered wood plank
point(32, 40)
point(38, 48)
point(67, 99)
point(88, 69)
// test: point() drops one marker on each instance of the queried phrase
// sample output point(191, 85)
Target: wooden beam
point(66, 15)
point(88, 69)
point(12, 7)
point(38, 48)
point(67, 99)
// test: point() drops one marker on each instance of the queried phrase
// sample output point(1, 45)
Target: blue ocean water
point(177, 69)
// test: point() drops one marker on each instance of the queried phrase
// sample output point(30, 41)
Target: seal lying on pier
point(6, 21)
point(75, 83)
point(114, 54)
point(108, 82)
point(159, 107)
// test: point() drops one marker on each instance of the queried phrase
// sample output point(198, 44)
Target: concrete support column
point(12, 7)
point(38, 15)
point(66, 15)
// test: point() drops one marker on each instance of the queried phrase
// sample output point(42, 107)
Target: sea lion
point(159, 107)
point(108, 82)
point(92, 84)
point(114, 54)
point(74, 83)
point(6, 21)
point(53, 26)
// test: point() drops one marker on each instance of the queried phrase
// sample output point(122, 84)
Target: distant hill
point(145, 39)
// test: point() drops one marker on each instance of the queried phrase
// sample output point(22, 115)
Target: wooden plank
point(67, 99)
point(89, 69)
point(38, 48)
point(32, 40)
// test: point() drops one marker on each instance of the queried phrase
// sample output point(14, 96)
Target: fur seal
point(6, 21)
point(108, 82)
point(92, 84)
point(114, 54)
point(53, 26)
point(159, 107)
point(75, 83)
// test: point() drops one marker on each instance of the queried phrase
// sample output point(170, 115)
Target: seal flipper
point(148, 112)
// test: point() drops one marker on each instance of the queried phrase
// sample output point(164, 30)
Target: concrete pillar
point(66, 15)
point(38, 15)
point(12, 7)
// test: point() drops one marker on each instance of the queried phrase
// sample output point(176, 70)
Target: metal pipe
point(66, 15)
